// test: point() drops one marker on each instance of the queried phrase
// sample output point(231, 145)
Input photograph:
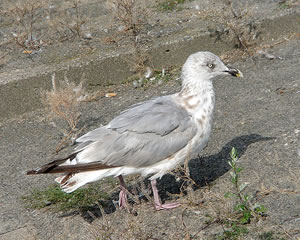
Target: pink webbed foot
point(123, 194)
point(157, 201)
point(123, 199)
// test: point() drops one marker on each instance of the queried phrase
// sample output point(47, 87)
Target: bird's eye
point(210, 65)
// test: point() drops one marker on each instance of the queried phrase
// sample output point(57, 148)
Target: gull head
point(205, 66)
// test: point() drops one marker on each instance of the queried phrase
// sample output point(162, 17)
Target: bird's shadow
point(203, 170)
point(206, 169)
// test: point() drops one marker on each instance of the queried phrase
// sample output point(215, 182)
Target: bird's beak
point(234, 72)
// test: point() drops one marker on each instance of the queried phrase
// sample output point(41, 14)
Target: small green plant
point(153, 77)
point(234, 232)
point(244, 206)
point(266, 236)
point(283, 4)
point(246, 211)
point(58, 200)
point(170, 5)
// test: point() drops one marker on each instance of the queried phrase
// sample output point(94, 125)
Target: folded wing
point(145, 134)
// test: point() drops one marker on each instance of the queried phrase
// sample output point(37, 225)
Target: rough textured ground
point(168, 37)
point(259, 115)
point(59, 45)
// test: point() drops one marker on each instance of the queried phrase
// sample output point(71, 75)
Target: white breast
point(200, 105)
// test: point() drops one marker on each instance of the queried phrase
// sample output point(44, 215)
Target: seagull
point(150, 138)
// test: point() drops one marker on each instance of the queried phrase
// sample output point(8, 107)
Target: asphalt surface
point(259, 115)
point(168, 36)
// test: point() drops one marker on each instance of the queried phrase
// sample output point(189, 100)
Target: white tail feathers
point(71, 182)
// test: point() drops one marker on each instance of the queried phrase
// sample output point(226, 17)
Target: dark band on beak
point(234, 72)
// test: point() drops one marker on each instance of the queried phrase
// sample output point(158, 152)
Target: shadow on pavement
point(203, 170)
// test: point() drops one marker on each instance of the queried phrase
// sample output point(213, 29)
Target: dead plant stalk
point(63, 103)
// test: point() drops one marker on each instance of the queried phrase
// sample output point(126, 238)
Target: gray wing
point(159, 116)
point(143, 135)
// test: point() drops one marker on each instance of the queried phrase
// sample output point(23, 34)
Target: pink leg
point(123, 193)
point(157, 201)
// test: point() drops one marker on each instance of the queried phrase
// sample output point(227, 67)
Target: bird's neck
point(198, 99)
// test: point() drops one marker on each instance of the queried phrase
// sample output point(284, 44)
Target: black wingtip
point(32, 172)
point(51, 165)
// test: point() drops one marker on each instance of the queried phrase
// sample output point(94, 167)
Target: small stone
point(148, 73)
point(88, 36)
point(135, 84)
point(121, 28)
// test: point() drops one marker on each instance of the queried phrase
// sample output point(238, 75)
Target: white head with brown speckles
point(204, 66)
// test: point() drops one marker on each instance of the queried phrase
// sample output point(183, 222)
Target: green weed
point(170, 5)
point(234, 232)
point(266, 236)
point(270, 236)
point(58, 200)
point(244, 205)
point(283, 4)
point(244, 209)
point(157, 77)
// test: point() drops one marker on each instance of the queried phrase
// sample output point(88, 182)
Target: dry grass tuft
point(68, 22)
point(234, 55)
point(63, 102)
point(101, 229)
point(37, 23)
point(241, 26)
point(130, 227)
point(130, 15)
point(131, 18)
point(24, 14)
point(236, 23)
point(3, 58)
